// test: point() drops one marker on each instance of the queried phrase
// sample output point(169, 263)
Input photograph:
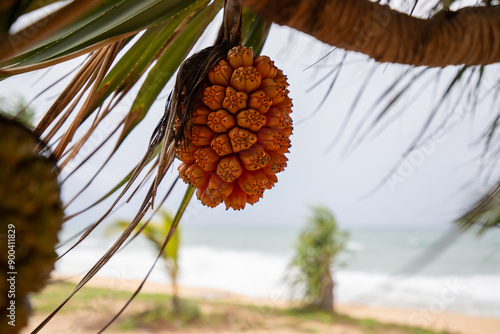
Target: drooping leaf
point(254, 31)
point(45, 31)
point(172, 229)
point(166, 66)
point(113, 190)
point(121, 17)
point(139, 57)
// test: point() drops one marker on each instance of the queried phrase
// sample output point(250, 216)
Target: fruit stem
point(230, 31)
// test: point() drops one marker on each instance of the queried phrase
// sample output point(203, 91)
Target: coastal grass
point(366, 324)
point(154, 311)
point(87, 298)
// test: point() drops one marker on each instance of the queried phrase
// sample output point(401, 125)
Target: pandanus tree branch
point(470, 35)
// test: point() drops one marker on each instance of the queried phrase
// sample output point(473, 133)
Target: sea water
point(431, 271)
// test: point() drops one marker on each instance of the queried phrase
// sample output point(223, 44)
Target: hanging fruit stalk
point(236, 140)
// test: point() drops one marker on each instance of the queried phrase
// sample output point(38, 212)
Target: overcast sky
point(430, 188)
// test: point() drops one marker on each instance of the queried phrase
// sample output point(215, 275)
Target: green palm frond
point(83, 24)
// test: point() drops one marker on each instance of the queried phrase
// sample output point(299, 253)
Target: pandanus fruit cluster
point(31, 216)
point(239, 133)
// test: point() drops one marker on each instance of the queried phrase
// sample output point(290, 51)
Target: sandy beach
point(97, 311)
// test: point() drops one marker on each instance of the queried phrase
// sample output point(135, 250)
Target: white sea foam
point(478, 295)
point(261, 275)
point(355, 246)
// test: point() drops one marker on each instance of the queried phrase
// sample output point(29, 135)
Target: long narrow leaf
point(139, 57)
point(125, 17)
point(165, 67)
point(254, 31)
point(173, 228)
point(38, 32)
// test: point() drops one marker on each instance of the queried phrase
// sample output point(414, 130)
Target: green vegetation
point(366, 325)
point(316, 253)
point(156, 232)
point(160, 315)
point(149, 312)
point(17, 109)
point(57, 291)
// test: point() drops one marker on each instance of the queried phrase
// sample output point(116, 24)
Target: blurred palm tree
point(317, 250)
point(155, 231)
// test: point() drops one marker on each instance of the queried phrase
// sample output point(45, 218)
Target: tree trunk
point(470, 35)
point(176, 303)
point(326, 302)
